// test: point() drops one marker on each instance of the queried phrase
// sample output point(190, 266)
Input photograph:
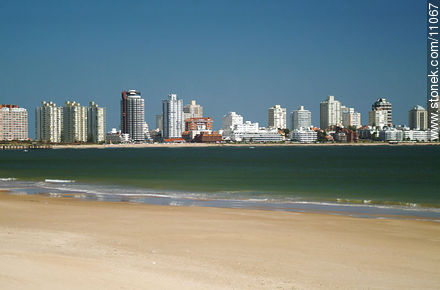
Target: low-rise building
point(391, 134)
point(304, 135)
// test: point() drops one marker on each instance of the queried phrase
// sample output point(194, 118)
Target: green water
point(395, 174)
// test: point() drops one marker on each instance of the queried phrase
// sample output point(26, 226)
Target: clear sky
point(242, 56)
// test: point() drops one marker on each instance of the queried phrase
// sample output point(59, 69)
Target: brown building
point(206, 137)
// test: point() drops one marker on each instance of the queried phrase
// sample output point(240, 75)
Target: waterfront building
point(304, 135)
point(230, 120)
point(418, 118)
point(132, 115)
point(48, 122)
point(300, 118)
point(198, 124)
point(391, 134)
point(277, 117)
point(378, 118)
point(330, 113)
point(384, 105)
point(250, 132)
point(208, 137)
point(192, 110)
point(172, 110)
point(416, 135)
point(115, 137)
point(95, 123)
point(350, 118)
point(13, 123)
point(74, 123)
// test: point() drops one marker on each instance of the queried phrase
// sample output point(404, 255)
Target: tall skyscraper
point(383, 104)
point(277, 117)
point(192, 110)
point(95, 123)
point(172, 110)
point(74, 123)
point(300, 118)
point(418, 118)
point(13, 123)
point(330, 113)
point(350, 118)
point(132, 115)
point(48, 122)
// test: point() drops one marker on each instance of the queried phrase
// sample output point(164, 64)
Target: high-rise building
point(300, 118)
point(172, 110)
point(378, 118)
point(277, 117)
point(132, 115)
point(192, 110)
point(330, 113)
point(48, 122)
point(418, 118)
point(384, 105)
point(350, 118)
point(13, 123)
point(95, 123)
point(74, 123)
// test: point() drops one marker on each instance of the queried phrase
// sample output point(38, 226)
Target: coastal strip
point(61, 242)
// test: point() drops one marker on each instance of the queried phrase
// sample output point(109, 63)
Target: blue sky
point(242, 56)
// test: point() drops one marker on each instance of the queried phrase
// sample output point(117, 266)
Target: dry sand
point(62, 243)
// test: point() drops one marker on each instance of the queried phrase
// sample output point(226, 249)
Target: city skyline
point(286, 52)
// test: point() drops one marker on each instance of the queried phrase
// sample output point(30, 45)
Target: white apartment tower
point(95, 123)
point(192, 110)
point(13, 123)
point(418, 118)
point(350, 118)
point(277, 117)
point(300, 118)
point(330, 113)
point(173, 122)
point(48, 122)
point(132, 115)
point(74, 123)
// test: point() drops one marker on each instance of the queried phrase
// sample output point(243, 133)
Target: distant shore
point(184, 145)
point(48, 242)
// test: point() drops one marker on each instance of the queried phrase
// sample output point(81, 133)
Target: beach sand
point(64, 243)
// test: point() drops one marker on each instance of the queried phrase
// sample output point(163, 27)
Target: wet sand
point(54, 243)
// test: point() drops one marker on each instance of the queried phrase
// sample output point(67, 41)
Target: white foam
point(59, 181)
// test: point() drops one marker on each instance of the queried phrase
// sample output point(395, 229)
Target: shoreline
point(198, 145)
point(50, 242)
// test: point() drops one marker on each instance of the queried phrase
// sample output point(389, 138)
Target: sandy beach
point(54, 243)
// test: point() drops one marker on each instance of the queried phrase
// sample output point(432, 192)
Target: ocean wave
point(59, 180)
